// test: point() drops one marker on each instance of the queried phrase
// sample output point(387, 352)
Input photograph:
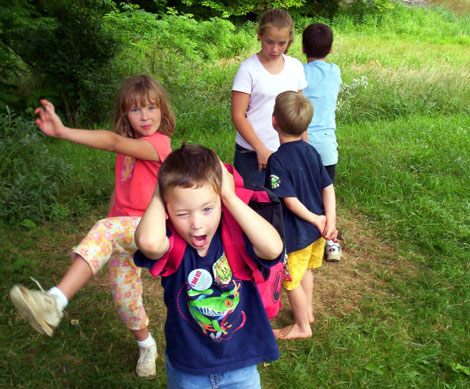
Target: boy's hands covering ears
point(228, 184)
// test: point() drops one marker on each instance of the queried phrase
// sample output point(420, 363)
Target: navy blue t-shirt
point(215, 322)
point(296, 170)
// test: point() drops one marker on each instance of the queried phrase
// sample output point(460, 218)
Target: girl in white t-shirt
point(257, 83)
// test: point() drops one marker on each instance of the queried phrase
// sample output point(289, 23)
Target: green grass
point(416, 169)
point(394, 313)
point(409, 177)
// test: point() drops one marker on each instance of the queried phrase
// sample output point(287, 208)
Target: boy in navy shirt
point(296, 175)
point(216, 329)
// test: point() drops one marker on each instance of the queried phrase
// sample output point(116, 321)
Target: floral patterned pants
point(112, 241)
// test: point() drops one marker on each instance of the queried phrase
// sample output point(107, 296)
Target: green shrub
point(63, 46)
point(142, 34)
point(42, 179)
point(228, 8)
point(31, 178)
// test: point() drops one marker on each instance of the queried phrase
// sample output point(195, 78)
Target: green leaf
point(458, 368)
point(372, 367)
point(28, 223)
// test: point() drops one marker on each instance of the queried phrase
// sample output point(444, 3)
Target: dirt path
point(338, 287)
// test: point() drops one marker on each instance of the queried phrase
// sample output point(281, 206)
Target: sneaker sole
point(147, 376)
point(333, 259)
point(19, 297)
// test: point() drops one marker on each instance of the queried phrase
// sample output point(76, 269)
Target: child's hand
point(330, 232)
point(263, 156)
point(320, 223)
point(48, 122)
point(228, 184)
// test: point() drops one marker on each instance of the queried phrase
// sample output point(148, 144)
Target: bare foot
point(292, 332)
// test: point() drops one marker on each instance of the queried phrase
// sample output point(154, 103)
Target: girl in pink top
point(143, 122)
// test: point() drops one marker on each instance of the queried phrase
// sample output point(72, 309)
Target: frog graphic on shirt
point(212, 309)
point(211, 312)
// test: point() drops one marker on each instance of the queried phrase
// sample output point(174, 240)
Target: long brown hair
point(141, 90)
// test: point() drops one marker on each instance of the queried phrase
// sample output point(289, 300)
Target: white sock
point(147, 342)
point(62, 301)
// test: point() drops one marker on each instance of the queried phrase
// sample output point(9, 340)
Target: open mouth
point(199, 241)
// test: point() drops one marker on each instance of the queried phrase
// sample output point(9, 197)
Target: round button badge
point(200, 279)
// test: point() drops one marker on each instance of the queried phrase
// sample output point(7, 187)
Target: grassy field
point(394, 312)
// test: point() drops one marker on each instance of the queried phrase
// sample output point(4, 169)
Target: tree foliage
point(233, 8)
point(222, 8)
point(72, 51)
point(65, 49)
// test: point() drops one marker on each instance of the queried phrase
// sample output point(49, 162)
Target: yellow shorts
point(299, 261)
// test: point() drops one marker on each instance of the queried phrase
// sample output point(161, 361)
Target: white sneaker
point(332, 251)
point(146, 364)
point(38, 307)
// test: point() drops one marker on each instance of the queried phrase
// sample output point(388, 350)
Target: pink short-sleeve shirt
point(135, 179)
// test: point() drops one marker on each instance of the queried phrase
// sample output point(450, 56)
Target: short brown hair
point(279, 18)
point(317, 40)
point(293, 113)
point(141, 90)
point(190, 166)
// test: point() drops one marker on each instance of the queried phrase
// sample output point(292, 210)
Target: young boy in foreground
point(296, 175)
point(216, 329)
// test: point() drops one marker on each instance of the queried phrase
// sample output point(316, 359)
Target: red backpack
point(269, 282)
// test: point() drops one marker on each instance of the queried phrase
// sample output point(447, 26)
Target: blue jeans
point(244, 378)
point(246, 163)
point(331, 171)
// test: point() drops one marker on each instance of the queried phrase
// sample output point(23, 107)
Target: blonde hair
point(141, 90)
point(279, 18)
point(293, 113)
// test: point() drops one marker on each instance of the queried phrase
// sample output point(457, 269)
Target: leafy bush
point(61, 45)
point(228, 8)
point(31, 177)
point(38, 183)
point(142, 33)
point(361, 10)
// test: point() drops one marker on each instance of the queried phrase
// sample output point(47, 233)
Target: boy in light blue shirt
point(324, 82)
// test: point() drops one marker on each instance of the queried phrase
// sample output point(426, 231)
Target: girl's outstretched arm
point(150, 235)
point(263, 236)
point(51, 125)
